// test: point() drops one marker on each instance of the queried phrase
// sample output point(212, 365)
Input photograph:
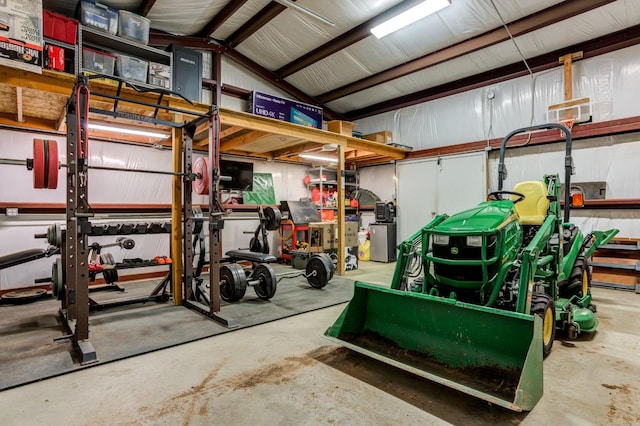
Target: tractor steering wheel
point(497, 196)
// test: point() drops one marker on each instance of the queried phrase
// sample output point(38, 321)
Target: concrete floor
point(284, 372)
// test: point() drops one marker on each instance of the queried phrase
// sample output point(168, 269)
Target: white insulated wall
point(612, 81)
point(610, 159)
point(16, 233)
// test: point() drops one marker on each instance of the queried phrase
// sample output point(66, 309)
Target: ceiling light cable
point(504, 24)
point(308, 12)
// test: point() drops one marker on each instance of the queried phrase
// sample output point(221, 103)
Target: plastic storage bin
point(98, 62)
point(59, 27)
point(131, 68)
point(133, 27)
point(99, 16)
point(159, 75)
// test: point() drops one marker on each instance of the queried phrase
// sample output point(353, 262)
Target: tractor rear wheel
point(543, 306)
point(579, 283)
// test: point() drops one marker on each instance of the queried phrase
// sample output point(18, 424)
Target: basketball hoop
point(568, 123)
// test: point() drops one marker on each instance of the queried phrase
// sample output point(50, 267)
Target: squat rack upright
point(75, 248)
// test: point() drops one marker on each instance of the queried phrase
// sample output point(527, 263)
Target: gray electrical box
point(187, 72)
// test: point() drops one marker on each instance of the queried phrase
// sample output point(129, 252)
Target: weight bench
point(234, 255)
point(24, 256)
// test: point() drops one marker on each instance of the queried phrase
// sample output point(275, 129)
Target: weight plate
point(126, 243)
point(110, 275)
point(38, 164)
point(201, 184)
point(54, 235)
point(52, 165)
point(333, 258)
point(273, 217)
point(24, 296)
point(265, 274)
point(255, 245)
point(233, 282)
point(318, 271)
point(57, 279)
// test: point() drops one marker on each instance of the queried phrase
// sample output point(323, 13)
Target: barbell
point(263, 278)
point(45, 165)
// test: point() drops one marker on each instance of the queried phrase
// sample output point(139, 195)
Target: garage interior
point(297, 212)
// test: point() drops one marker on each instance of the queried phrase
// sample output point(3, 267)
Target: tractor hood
point(486, 216)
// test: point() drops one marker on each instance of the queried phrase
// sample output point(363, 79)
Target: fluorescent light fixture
point(318, 157)
point(409, 16)
point(128, 131)
point(308, 12)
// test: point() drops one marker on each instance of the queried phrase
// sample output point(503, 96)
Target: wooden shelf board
point(45, 96)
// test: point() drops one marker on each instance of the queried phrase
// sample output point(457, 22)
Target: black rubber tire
point(574, 286)
point(540, 305)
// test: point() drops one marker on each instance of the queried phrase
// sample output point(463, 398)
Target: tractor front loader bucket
point(491, 354)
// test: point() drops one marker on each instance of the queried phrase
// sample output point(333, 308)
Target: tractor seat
point(533, 209)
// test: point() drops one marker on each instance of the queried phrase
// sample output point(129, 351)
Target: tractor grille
point(458, 250)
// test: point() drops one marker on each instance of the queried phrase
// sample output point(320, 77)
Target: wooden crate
point(343, 127)
point(385, 137)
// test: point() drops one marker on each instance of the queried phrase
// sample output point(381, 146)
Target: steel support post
point(78, 213)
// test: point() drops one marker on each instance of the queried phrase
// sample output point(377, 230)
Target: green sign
point(263, 192)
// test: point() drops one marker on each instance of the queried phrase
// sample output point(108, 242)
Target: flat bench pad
point(19, 257)
point(250, 256)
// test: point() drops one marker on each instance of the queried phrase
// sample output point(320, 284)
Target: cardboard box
point(343, 127)
point(385, 137)
point(21, 35)
point(322, 236)
point(351, 234)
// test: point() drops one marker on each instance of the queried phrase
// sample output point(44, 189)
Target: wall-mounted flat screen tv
point(241, 175)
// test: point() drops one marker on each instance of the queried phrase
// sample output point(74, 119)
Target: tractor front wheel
point(579, 283)
point(543, 306)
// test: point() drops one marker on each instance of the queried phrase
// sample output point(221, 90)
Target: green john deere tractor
point(477, 297)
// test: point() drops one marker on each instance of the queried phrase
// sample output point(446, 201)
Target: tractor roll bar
point(568, 162)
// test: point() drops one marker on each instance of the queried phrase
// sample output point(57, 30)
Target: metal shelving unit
point(93, 38)
point(316, 173)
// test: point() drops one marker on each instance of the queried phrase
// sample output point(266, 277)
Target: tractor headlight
point(441, 240)
point(474, 241)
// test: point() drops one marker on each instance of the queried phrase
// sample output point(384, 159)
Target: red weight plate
point(38, 164)
point(201, 184)
point(52, 182)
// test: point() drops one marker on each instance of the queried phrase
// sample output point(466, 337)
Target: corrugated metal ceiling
point(271, 38)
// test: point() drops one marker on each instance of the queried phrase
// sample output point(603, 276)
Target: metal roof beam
point(344, 40)
point(262, 18)
point(221, 17)
point(145, 7)
point(548, 16)
point(163, 39)
point(591, 48)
